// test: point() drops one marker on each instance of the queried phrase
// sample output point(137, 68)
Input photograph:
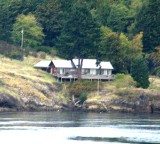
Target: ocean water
point(78, 128)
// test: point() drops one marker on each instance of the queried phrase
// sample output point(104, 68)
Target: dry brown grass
point(154, 83)
point(124, 87)
point(19, 78)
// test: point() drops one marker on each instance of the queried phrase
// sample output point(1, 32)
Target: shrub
point(11, 51)
point(140, 72)
point(42, 55)
point(76, 88)
point(122, 80)
point(16, 54)
point(156, 71)
point(26, 51)
point(53, 52)
point(34, 54)
point(83, 97)
point(43, 48)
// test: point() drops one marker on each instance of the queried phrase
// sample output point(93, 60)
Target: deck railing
point(86, 76)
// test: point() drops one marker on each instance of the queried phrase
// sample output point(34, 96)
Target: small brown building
point(45, 65)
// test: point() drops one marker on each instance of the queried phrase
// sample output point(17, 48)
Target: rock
point(8, 101)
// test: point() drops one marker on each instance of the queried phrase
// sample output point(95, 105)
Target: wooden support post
point(98, 88)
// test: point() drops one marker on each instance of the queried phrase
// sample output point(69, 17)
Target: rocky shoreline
point(141, 104)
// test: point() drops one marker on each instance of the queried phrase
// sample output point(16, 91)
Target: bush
point(83, 97)
point(11, 51)
point(156, 71)
point(122, 80)
point(43, 48)
point(26, 51)
point(76, 88)
point(34, 54)
point(16, 54)
point(53, 52)
point(42, 55)
point(140, 72)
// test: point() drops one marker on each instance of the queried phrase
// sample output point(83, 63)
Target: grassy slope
point(20, 80)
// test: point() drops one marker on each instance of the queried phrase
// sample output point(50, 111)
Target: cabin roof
point(43, 64)
point(91, 64)
point(106, 65)
point(62, 63)
point(87, 64)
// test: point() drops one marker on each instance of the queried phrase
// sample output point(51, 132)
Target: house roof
point(43, 64)
point(87, 64)
point(106, 65)
point(91, 64)
point(62, 63)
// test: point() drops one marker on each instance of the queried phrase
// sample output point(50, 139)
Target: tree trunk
point(79, 71)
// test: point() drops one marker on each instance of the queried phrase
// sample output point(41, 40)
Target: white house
point(67, 69)
point(91, 68)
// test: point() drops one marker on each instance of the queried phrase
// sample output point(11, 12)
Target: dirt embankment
point(52, 100)
point(23, 87)
point(142, 103)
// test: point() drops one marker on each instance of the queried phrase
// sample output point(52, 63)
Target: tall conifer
point(140, 73)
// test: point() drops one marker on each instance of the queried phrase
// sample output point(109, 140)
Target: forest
point(125, 32)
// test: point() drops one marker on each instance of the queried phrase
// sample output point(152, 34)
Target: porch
point(84, 76)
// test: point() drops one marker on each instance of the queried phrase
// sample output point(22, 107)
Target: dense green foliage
point(148, 21)
point(140, 72)
point(81, 88)
point(49, 15)
point(119, 31)
point(12, 51)
point(27, 26)
point(80, 34)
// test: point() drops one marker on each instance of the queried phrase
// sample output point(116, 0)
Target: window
point(93, 71)
point(104, 72)
point(61, 71)
point(109, 72)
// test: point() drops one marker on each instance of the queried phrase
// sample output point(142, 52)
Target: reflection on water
point(78, 128)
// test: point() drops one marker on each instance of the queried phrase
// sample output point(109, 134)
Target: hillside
point(122, 95)
point(23, 87)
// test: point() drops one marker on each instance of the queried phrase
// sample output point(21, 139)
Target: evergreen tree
point(140, 73)
point(50, 17)
point(80, 35)
point(6, 20)
point(118, 18)
point(9, 10)
point(103, 11)
point(148, 21)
